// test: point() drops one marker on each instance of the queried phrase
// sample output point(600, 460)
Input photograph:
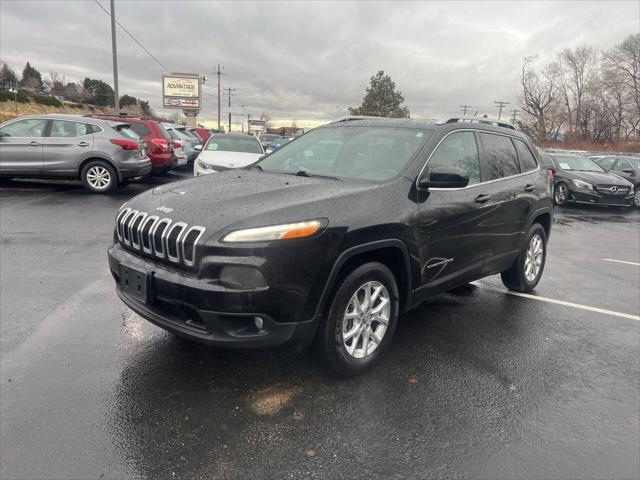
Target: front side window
point(527, 160)
point(233, 144)
point(65, 128)
point(607, 162)
point(365, 153)
point(623, 164)
point(500, 157)
point(458, 150)
point(31, 127)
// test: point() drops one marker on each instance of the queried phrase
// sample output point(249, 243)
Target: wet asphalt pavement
point(477, 383)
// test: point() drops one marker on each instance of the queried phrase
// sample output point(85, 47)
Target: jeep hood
point(248, 198)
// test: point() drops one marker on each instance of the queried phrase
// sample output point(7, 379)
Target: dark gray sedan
point(100, 153)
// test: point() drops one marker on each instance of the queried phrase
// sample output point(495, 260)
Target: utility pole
point(219, 96)
point(513, 118)
point(114, 50)
point(464, 109)
point(242, 106)
point(500, 105)
point(229, 90)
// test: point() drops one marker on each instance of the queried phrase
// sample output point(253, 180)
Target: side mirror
point(198, 148)
point(628, 170)
point(268, 151)
point(444, 177)
point(552, 169)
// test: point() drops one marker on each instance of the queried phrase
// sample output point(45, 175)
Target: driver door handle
point(33, 143)
point(529, 188)
point(83, 144)
point(482, 198)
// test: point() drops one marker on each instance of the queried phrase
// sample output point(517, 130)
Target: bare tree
point(540, 98)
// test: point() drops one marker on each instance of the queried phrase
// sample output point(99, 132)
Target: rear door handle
point(529, 188)
point(83, 144)
point(33, 143)
point(482, 198)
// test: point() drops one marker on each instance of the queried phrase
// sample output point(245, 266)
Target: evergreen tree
point(31, 78)
point(7, 75)
point(381, 99)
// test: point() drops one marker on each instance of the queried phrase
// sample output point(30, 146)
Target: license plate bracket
point(134, 283)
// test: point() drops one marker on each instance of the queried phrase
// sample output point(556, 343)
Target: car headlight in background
point(204, 165)
point(582, 184)
point(275, 232)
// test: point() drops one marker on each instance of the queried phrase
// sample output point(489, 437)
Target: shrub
point(44, 100)
point(7, 96)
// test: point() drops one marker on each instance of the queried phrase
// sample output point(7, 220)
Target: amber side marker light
point(275, 232)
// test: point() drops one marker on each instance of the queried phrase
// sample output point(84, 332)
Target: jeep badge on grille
point(164, 209)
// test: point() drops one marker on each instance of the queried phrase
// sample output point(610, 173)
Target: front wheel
point(525, 273)
point(99, 177)
point(361, 320)
point(561, 194)
point(636, 198)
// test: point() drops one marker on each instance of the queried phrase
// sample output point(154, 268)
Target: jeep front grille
point(158, 237)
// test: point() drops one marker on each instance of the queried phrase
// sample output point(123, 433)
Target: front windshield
point(221, 143)
point(367, 153)
point(580, 164)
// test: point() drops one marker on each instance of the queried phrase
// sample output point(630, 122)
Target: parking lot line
point(621, 261)
point(628, 316)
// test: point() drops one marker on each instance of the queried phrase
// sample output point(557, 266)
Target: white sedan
point(226, 151)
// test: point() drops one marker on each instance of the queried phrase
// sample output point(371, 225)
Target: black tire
point(99, 167)
point(561, 194)
point(515, 278)
point(329, 338)
point(636, 198)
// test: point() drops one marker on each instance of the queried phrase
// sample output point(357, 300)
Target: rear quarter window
point(527, 160)
point(498, 156)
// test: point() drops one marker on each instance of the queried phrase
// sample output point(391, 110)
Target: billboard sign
point(181, 91)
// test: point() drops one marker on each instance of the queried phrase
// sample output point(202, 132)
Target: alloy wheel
point(366, 319)
point(533, 258)
point(98, 177)
point(636, 198)
point(561, 194)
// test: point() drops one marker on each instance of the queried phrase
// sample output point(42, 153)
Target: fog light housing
point(258, 322)
point(240, 276)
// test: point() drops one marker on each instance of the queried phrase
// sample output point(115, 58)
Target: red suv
point(159, 142)
point(203, 133)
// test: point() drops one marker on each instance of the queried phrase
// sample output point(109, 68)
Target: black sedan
point(581, 180)
point(626, 167)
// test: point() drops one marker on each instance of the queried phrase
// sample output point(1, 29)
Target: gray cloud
point(312, 60)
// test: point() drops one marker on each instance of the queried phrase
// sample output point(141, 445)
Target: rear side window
point(499, 156)
point(141, 129)
point(527, 160)
point(458, 150)
point(64, 128)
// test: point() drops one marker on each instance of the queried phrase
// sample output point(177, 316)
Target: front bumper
point(593, 197)
point(207, 312)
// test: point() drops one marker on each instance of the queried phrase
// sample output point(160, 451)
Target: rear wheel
point(99, 177)
point(361, 320)
point(525, 273)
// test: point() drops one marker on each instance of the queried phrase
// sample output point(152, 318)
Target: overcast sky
point(312, 60)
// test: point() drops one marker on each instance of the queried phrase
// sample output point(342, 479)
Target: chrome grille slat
point(158, 237)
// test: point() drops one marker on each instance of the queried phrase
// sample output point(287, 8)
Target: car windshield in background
point(580, 164)
point(233, 144)
point(367, 153)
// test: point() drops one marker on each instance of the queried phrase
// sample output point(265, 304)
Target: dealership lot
point(477, 383)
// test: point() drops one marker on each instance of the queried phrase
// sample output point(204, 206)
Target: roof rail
point(350, 118)
point(485, 120)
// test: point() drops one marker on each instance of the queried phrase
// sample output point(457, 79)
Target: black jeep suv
point(332, 236)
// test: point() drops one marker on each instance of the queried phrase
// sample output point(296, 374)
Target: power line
point(500, 105)
point(133, 38)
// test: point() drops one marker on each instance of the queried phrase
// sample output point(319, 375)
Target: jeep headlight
point(274, 232)
point(582, 184)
